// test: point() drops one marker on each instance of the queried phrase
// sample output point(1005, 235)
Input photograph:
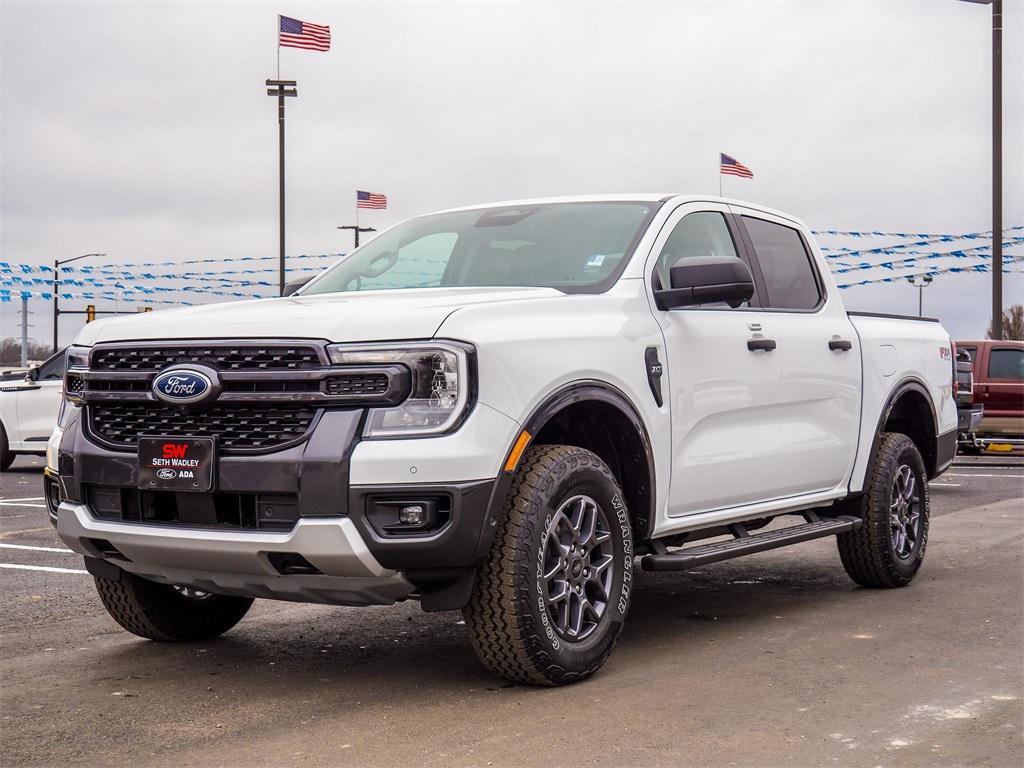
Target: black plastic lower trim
point(453, 545)
point(103, 569)
point(945, 452)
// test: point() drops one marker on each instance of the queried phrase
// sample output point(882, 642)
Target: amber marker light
point(517, 450)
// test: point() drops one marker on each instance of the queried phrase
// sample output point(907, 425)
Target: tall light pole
point(920, 282)
point(56, 290)
point(281, 89)
point(356, 229)
point(997, 164)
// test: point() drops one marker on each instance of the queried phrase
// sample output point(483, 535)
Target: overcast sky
point(143, 129)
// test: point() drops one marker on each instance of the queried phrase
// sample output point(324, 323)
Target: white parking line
point(38, 506)
point(38, 549)
point(41, 568)
point(972, 474)
point(15, 501)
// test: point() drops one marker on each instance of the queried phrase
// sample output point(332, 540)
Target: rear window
point(1006, 364)
point(789, 276)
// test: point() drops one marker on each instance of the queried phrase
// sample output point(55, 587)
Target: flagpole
point(719, 174)
point(277, 36)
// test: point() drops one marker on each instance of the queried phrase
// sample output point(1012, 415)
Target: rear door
point(820, 395)
point(723, 397)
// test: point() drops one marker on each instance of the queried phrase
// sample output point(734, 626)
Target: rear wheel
point(552, 595)
point(888, 549)
point(167, 613)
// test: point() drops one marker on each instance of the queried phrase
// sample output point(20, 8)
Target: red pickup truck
point(999, 387)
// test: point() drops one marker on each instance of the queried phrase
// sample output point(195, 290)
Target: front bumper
point(240, 562)
point(333, 525)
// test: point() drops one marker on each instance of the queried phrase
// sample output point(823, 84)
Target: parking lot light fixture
point(57, 263)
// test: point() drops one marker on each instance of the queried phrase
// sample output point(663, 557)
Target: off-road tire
point(6, 457)
point(868, 553)
point(160, 612)
point(510, 630)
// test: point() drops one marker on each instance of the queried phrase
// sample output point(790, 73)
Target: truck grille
point(250, 511)
point(236, 427)
point(225, 358)
point(357, 384)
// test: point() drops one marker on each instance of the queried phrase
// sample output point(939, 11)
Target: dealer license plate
point(177, 463)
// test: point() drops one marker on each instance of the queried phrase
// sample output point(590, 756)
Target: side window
point(52, 368)
point(788, 272)
point(419, 264)
point(1006, 364)
point(697, 234)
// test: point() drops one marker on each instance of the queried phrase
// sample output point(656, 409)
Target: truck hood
point(364, 316)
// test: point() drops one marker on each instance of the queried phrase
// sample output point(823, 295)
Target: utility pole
point(281, 89)
point(997, 164)
point(356, 229)
point(24, 330)
point(997, 169)
point(56, 291)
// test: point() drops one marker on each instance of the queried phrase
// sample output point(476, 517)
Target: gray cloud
point(143, 130)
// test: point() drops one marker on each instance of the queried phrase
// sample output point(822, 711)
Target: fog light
point(414, 514)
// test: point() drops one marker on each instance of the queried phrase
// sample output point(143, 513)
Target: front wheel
point(888, 549)
point(6, 457)
point(167, 613)
point(552, 595)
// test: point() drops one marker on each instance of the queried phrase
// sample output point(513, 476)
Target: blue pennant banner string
point(977, 268)
point(968, 253)
point(926, 241)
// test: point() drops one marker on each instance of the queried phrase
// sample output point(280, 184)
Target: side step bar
point(745, 544)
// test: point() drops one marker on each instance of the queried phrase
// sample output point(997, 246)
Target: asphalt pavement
point(777, 659)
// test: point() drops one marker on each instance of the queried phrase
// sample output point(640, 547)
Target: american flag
point(371, 200)
point(302, 34)
point(733, 167)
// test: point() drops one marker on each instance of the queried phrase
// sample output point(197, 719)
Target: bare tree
point(1013, 324)
point(10, 351)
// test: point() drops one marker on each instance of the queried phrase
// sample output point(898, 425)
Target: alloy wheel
point(577, 568)
point(904, 512)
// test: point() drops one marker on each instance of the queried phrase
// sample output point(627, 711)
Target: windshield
point(575, 247)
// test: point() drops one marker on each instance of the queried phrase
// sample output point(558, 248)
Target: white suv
point(495, 409)
point(28, 410)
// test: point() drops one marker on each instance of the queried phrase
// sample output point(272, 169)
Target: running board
point(745, 544)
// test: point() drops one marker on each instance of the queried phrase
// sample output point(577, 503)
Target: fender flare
point(908, 384)
point(582, 390)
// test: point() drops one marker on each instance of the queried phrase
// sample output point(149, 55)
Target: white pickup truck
point(503, 409)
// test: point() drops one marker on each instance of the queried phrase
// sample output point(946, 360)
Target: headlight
point(76, 357)
point(441, 386)
point(76, 360)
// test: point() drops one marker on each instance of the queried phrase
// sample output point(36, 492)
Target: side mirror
point(706, 280)
point(294, 285)
point(32, 375)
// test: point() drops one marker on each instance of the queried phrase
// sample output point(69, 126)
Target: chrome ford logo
point(183, 386)
point(167, 474)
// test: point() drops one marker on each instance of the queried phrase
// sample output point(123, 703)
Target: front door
point(39, 404)
point(723, 396)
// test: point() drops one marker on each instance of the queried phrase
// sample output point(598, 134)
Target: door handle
point(840, 345)
point(765, 345)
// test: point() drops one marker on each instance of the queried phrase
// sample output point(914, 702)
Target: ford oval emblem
point(167, 474)
point(183, 386)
